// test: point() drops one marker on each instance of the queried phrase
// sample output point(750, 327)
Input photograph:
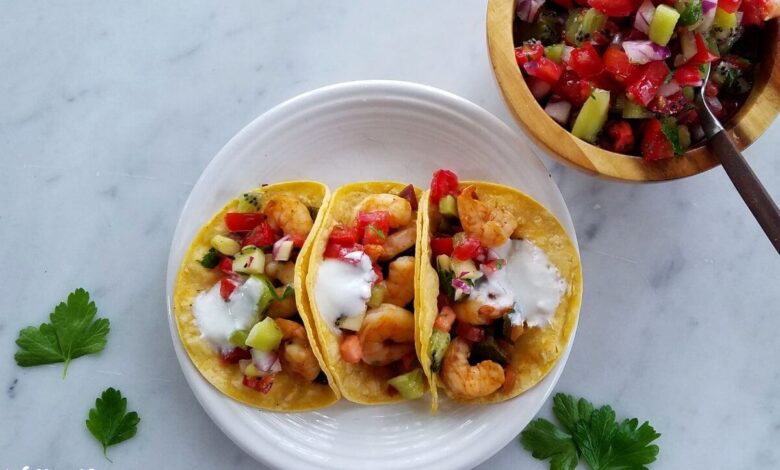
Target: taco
point(240, 302)
point(500, 287)
point(361, 284)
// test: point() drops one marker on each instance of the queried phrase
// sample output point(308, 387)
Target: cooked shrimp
point(386, 335)
point(491, 226)
point(399, 208)
point(398, 242)
point(464, 380)
point(296, 352)
point(475, 312)
point(289, 215)
point(400, 281)
point(516, 332)
point(284, 272)
point(284, 308)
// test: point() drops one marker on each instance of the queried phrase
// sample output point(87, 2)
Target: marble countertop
point(109, 112)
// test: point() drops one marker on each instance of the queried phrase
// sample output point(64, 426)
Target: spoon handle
point(749, 187)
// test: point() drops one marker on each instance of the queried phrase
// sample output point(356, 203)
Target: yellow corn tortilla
point(359, 383)
point(537, 350)
point(289, 392)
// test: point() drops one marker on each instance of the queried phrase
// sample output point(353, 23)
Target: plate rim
point(393, 89)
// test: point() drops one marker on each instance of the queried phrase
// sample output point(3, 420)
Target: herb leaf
point(377, 231)
point(109, 421)
point(72, 333)
point(545, 441)
point(569, 410)
point(211, 259)
point(594, 437)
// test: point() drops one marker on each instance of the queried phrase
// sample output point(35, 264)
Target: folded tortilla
point(538, 349)
point(359, 383)
point(289, 392)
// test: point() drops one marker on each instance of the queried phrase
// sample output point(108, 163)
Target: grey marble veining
point(109, 112)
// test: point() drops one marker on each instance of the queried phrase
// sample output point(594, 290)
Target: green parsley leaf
point(72, 333)
point(545, 441)
point(288, 292)
point(211, 259)
point(593, 434)
point(377, 231)
point(109, 421)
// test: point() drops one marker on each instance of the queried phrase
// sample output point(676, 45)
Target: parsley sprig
point(591, 434)
point(73, 332)
point(109, 420)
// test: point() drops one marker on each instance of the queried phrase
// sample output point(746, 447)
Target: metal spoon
point(749, 187)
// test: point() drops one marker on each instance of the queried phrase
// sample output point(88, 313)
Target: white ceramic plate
point(355, 131)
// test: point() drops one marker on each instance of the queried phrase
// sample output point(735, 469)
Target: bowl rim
point(753, 118)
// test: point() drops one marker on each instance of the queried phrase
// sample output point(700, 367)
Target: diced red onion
point(708, 15)
point(266, 362)
point(527, 9)
point(668, 89)
point(462, 285)
point(687, 45)
point(278, 247)
point(642, 52)
point(539, 88)
point(714, 104)
point(559, 111)
point(644, 15)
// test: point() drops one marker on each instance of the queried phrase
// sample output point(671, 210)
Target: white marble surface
point(109, 111)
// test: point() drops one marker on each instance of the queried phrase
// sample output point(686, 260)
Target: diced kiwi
point(378, 294)
point(448, 206)
point(410, 385)
point(249, 202)
point(592, 116)
point(593, 21)
point(554, 52)
point(663, 24)
point(265, 335)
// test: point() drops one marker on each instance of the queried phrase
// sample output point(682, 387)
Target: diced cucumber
point(284, 251)
point(662, 25)
point(448, 206)
point(724, 20)
point(545, 29)
point(350, 323)
point(238, 338)
point(438, 346)
point(684, 135)
point(378, 294)
point(593, 21)
point(250, 261)
point(225, 245)
point(249, 202)
point(410, 385)
point(268, 295)
point(690, 11)
point(265, 335)
point(465, 269)
point(592, 116)
point(443, 262)
point(688, 93)
point(554, 52)
point(635, 111)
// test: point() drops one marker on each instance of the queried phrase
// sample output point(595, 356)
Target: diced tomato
point(544, 69)
point(374, 252)
point(669, 105)
point(617, 64)
point(703, 54)
point(441, 246)
point(260, 236)
point(655, 144)
point(243, 221)
point(729, 6)
point(688, 75)
point(410, 195)
point(573, 88)
point(586, 61)
point(468, 249)
point(445, 319)
point(378, 271)
point(225, 265)
point(226, 287)
point(235, 355)
point(298, 240)
point(755, 12)
point(350, 349)
point(643, 84)
point(261, 384)
point(621, 136)
point(343, 235)
point(529, 51)
point(338, 251)
point(470, 332)
point(614, 7)
point(444, 183)
point(373, 226)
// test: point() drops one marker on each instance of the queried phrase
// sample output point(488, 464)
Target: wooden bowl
point(758, 112)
